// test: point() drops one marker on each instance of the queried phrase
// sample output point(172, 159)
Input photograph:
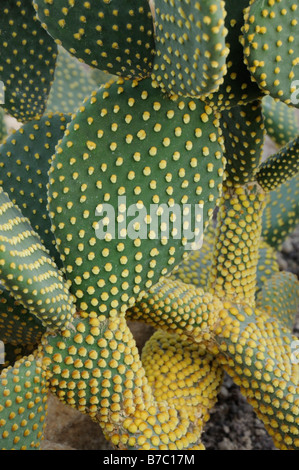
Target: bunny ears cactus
point(192, 89)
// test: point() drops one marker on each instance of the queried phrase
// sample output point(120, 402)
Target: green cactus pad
point(236, 251)
point(279, 297)
point(281, 121)
point(190, 46)
point(243, 132)
point(177, 307)
point(27, 270)
point(271, 44)
point(28, 57)
point(17, 325)
point(23, 404)
point(130, 147)
point(238, 88)
point(24, 162)
point(73, 82)
point(267, 264)
point(280, 167)
point(115, 36)
point(256, 351)
point(282, 213)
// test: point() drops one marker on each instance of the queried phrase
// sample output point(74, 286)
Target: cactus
point(141, 126)
point(27, 77)
point(281, 121)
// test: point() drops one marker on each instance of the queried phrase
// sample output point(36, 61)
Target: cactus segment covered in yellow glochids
point(235, 257)
point(279, 297)
point(116, 36)
point(3, 128)
point(256, 351)
point(280, 167)
point(23, 403)
point(97, 369)
point(25, 158)
point(267, 264)
point(281, 214)
point(182, 308)
point(281, 121)
point(27, 270)
point(243, 131)
point(28, 58)
point(190, 46)
point(271, 43)
point(141, 150)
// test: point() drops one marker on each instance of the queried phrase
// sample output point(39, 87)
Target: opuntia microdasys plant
point(131, 112)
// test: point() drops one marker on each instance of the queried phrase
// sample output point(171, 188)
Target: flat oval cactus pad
point(115, 36)
point(130, 150)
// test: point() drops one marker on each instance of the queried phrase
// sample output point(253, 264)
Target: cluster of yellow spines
point(191, 50)
point(120, 40)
